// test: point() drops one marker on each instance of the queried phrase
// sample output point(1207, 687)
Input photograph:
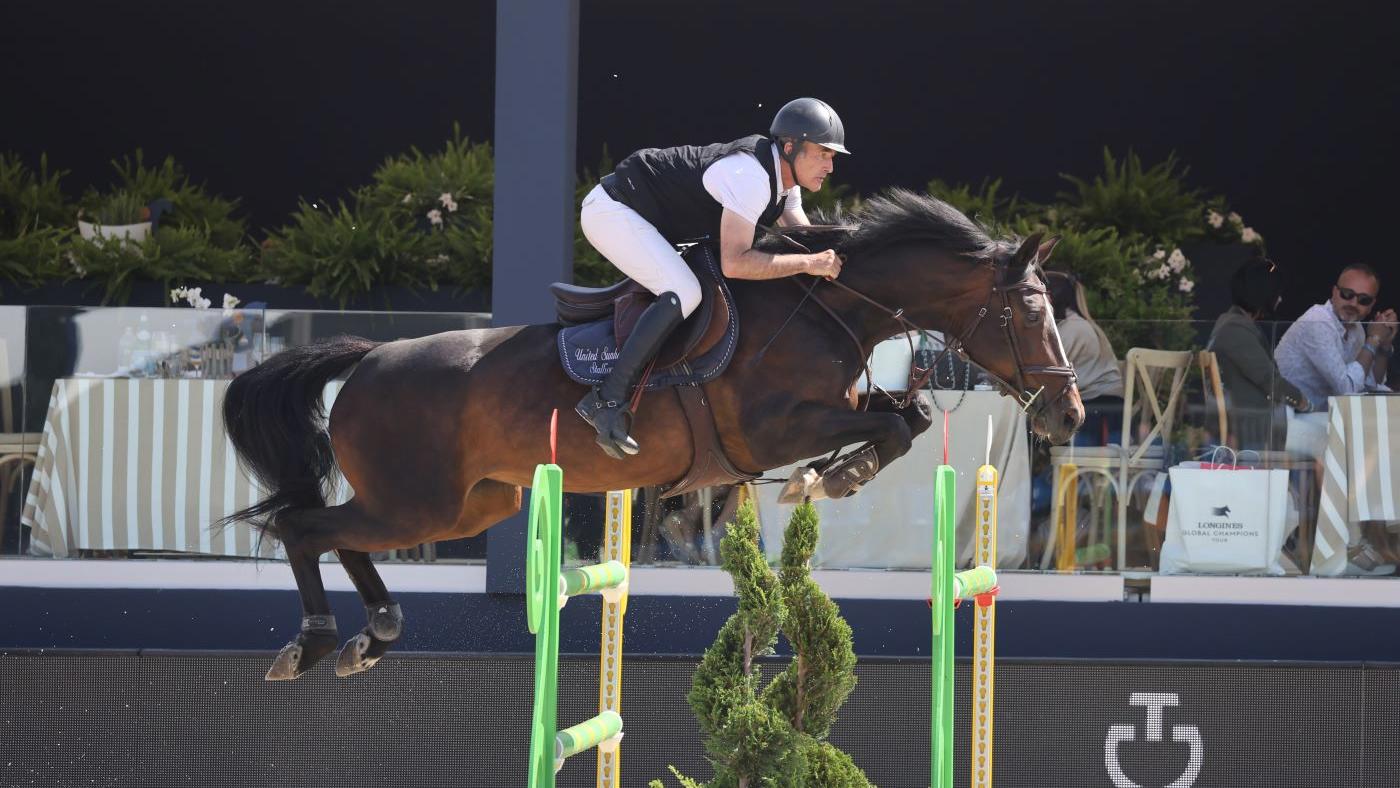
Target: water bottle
point(143, 357)
point(126, 350)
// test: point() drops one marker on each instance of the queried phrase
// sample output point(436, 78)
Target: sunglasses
point(1348, 294)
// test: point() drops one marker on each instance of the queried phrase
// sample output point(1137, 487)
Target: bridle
point(1032, 402)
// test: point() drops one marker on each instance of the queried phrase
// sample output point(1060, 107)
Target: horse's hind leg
point(307, 534)
point(318, 636)
point(385, 620)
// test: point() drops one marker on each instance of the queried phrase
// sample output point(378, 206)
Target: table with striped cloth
point(140, 465)
point(1361, 480)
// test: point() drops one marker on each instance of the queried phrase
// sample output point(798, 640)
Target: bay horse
point(437, 435)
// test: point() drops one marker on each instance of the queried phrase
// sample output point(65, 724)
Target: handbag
point(1225, 518)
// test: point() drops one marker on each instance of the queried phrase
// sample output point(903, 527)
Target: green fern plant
point(1150, 203)
point(30, 200)
point(193, 206)
point(423, 221)
point(984, 205)
point(173, 255)
point(118, 208)
point(34, 256)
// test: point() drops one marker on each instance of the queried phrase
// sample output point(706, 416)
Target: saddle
point(624, 302)
point(596, 322)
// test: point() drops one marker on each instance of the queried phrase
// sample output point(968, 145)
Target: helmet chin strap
point(791, 159)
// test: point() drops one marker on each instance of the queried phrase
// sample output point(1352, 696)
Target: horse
point(438, 435)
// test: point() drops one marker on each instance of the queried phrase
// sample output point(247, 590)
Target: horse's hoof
point(287, 666)
point(847, 478)
point(801, 486)
point(300, 655)
point(360, 654)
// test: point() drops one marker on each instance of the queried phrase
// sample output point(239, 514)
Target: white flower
point(204, 303)
point(230, 301)
point(1185, 285)
point(435, 216)
point(177, 294)
point(1161, 272)
point(437, 260)
point(1214, 219)
point(408, 198)
point(447, 202)
point(1160, 254)
point(1235, 219)
point(1177, 261)
point(1249, 236)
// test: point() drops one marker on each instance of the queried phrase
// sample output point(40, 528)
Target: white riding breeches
point(637, 249)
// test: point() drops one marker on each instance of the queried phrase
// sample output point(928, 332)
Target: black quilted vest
point(666, 187)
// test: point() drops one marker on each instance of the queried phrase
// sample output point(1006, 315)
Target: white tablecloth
point(889, 523)
point(139, 465)
point(1361, 475)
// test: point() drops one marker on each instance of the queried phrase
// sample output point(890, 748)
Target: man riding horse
point(659, 197)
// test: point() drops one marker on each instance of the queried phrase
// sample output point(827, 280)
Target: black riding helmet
point(810, 119)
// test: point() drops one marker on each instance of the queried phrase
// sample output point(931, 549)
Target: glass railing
point(113, 446)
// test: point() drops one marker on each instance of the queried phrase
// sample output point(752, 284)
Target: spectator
point(1091, 354)
point(1255, 391)
point(1328, 352)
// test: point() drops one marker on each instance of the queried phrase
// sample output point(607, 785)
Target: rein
point(918, 378)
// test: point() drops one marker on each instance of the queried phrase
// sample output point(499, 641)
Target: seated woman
point(1091, 355)
point(1255, 392)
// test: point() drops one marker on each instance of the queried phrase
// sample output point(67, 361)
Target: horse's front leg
point(886, 436)
point(918, 414)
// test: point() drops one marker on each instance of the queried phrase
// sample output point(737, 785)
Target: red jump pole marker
point(945, 437)
point(554, 437)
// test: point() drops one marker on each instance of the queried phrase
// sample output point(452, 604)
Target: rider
point(658, 197)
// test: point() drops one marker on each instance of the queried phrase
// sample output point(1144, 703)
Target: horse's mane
point(896, 216)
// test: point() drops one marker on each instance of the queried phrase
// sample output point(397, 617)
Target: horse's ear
point(1026, 255)
point(1042, 255)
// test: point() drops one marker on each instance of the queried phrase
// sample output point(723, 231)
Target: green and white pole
point(941, 597)
point(546, 591)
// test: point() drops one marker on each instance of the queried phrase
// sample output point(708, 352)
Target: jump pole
point(984, 630)
point(617, 546)
point(948, 588)
point(547, 590)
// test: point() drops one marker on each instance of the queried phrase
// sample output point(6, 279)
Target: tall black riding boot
point(605, 407)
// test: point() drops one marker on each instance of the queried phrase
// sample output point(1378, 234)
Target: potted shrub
point(119, 216)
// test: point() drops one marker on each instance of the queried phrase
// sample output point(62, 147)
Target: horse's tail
point(274, 415)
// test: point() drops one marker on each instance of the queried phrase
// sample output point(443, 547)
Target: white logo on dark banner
point(1155, 702)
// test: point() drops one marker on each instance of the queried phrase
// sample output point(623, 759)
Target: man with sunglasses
point(1329, 351)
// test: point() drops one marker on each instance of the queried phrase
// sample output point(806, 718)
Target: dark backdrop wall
point(1287, 109)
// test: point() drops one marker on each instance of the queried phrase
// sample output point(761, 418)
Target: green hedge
point(423, 220)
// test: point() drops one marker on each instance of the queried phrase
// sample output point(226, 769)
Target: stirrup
point(599, 414)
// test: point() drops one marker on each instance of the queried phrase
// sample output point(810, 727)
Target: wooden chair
point(1146, 419)
point(17, 449)
point(1309, 491)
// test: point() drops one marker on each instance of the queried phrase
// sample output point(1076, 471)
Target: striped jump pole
point(617, 546)
point(547, 590)
point(984, 637)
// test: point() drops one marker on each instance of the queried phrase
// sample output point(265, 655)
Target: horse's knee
point(896, 442)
